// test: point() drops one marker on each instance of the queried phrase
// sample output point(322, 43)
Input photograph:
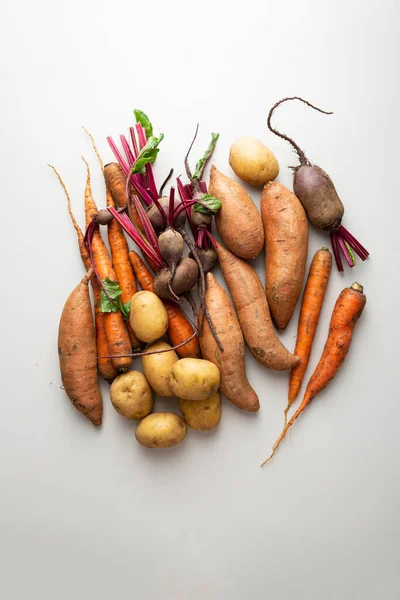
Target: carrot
point(313, 297)
point(119, 254)
point(77, 353)
point(104, 365)
point(179, 328)
point(238, 220)
point(231, 361)
point(286, 243)
point(253, 313)
point(115, 179)
point(115, 327)
point(347, 311)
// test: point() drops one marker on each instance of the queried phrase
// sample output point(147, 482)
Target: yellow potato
point(252, 161)
point(148, 316)
point(202, 414)
point(194, 379)
point(131, 395)
point(157, 368)
point(161, 430)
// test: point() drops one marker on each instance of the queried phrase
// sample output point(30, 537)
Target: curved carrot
point(115, 327)
point(115, 179)
point(179, 328)
point(119, 254)
point(313, 297)
point(104, 365)
point(347, 311)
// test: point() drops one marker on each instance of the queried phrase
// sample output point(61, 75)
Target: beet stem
point(354, 243)
point(164, 183)
point(191, 247)
point(345, 251)
point(335, 249)
point(127, 150)
point(194, 334)
point(134, 142)
point(171, 207)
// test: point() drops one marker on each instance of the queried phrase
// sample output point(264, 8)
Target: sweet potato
point(238, 220)
point(77, 353)
point(231, 361)
point(253, 313)
point(286, 244)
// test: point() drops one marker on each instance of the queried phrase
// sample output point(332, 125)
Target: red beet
point(316, 191)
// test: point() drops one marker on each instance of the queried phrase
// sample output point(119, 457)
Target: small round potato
point(252, 161)
point(161, 430)
point(157, 368)
point(131, 395)
point(194, 379)
point(148, 316)
point(202, 414)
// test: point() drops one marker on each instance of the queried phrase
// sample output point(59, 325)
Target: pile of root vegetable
point(160, 303)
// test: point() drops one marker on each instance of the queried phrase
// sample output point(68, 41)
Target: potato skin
point(131, 395)
point(194, 379)
point(252, 161)
point(161, 430)
point(148, 316)
point(202, 414)
point(238, 213)
point(157, 367)
point(286, 245)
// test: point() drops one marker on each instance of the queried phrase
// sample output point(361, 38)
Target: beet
point(316, 191)
point(208, 258)
point(185, 278)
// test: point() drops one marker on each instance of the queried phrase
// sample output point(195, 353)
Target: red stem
point(345, 251)
point(134, 142)
point(127, 150)
point(171, 218)
point(336, 252)
point(130, 229)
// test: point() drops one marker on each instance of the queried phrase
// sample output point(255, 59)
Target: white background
point(90, 514)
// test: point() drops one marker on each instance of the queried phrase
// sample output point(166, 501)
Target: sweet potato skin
point(252, 309)
point(234, 384)
point(77, 354)
point(286, 245)
point(238, 213)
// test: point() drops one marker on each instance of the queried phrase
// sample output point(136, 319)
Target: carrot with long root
point(77, 353)
point(179, 328)
point(104, 365)
point(313, 298)
point(115, 327)
point(347, 311)
point(119, 254)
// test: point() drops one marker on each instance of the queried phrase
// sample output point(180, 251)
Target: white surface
point(89, 514)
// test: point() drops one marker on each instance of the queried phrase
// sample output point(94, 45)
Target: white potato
point(148, 316)
point(252, 161)
point(131, 395)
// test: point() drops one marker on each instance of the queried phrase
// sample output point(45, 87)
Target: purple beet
point(316, 191)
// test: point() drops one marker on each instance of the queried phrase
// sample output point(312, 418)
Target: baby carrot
point(347, 311)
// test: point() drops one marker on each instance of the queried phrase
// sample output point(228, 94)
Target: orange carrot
point(313, 297)
point(104, 365)
point(115, 327)
point(179, 328)
point(119, 255)
point(347, 311)
point(115, 179)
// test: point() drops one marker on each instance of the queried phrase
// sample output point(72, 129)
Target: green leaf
point(112, 303)
point(145, 122)
point(202, 162)
point(212, 203)
point(126, 308)
point(148, 154)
